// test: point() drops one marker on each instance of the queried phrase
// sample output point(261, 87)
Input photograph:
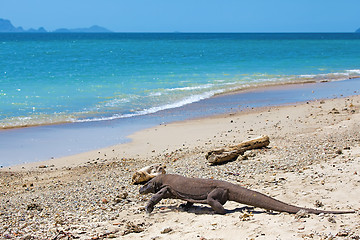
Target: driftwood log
point(147, 173)
point(223, 155)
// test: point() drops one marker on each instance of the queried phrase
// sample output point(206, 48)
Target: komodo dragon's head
point(152, 186)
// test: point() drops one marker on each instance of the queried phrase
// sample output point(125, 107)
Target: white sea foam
point(36, 120)
point(185, 101)
point(115, 102)
point(155, 94)
point(205, 86)
point(355, 71)
point(307, 76)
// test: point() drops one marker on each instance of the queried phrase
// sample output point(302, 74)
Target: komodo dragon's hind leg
point(217, 198)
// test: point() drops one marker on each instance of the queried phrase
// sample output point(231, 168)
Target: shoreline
point(86, 133)
point(313, 160)
point(242, 89)
point(284, 83)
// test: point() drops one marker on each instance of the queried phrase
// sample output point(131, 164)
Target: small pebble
point(166, 230)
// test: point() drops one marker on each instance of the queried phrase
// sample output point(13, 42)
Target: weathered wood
point(231, 153)
point(147, 173)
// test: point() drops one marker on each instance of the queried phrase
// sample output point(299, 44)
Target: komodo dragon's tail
point(256, 199)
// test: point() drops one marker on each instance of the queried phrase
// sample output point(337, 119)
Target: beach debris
point(120, 197)
point(344, 233)
point(61, 234)
point(318, 204)
point(332, 219)
point(339, 151)
point(246, 216)
point(34, 206)
point(334, 111)
point(107, 234)
point(223, 155)
point(145, 174)
point(166, 230)
point(133, 228)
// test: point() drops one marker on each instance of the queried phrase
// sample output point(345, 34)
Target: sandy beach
point(313, 161)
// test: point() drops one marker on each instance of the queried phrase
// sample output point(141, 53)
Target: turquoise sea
point(55, 78)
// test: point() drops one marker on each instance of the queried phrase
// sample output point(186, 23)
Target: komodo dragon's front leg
point(163, 193)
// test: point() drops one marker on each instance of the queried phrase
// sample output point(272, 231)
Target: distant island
point(358, 31)
point(6, 26)
point(92, 29)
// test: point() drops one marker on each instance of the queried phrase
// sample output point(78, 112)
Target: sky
point(186, 15)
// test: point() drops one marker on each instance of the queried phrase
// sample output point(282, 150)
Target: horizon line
point(174, 32)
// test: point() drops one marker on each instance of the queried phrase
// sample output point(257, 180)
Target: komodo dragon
point(215, 193)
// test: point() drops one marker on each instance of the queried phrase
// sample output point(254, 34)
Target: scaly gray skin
point(215, 193)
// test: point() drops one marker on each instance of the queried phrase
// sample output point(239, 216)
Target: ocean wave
point(205, 86)
point(333, 76)
point(36, 120)
point(155, 94)
point(353, 71)
point(227, 87)
point(169, 98)
point(115, 102)
point(183, 102)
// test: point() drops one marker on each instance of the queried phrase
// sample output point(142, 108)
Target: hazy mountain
point(6, 26)
point(358, 31)
point(92, 29)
